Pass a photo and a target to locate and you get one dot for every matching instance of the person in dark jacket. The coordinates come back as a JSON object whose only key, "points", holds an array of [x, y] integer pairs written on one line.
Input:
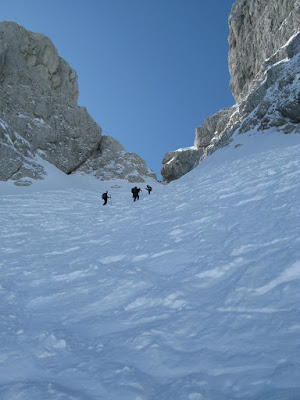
{"points": [[105, 197], [135, 193]]}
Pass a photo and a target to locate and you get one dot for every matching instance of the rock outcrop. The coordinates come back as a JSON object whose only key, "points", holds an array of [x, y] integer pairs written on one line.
{"points": [[264, 62], [180, 162], [258, 30], [40, 117], [112, 161]]}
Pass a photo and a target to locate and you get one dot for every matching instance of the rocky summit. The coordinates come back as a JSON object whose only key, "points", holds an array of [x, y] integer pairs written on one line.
{"points": [[40, 118], [264, 64]]}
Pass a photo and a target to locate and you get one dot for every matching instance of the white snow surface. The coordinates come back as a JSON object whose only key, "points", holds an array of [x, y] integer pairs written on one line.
{"points": [[192, 292]]}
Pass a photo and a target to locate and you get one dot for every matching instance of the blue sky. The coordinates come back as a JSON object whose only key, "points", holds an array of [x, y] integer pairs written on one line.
{"points": [[149, 71]]}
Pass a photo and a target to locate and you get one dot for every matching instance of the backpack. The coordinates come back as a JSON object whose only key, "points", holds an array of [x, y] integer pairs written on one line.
{"points": [[103, 196]]}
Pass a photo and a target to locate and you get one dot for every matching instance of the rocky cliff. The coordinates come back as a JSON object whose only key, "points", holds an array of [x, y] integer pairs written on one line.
{"points": [[264, 64], [258, 30], [40, 117]]}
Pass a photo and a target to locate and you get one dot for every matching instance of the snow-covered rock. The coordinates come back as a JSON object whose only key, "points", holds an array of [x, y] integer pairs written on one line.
{"points": [[39, 114], [258, 30], [264, 61], [112, 161], [180, 162]]}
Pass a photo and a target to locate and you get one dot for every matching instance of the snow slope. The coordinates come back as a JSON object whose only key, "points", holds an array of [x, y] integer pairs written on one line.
{"points": [[190, 293]]}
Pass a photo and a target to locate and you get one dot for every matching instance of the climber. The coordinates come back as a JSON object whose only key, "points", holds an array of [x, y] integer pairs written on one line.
{"points": [[105, 197], [135, 193], [149, 188]]}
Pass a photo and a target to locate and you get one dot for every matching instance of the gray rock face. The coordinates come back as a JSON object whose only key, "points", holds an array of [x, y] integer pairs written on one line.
{"points": [[264, 60], [39, 114], [30, 58], [39, 111], [276, 101], [213, 125], [258, 30], [180, 162]]}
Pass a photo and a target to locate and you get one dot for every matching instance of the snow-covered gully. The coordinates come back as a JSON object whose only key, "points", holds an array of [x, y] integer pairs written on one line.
{"points": [[190, 293]]}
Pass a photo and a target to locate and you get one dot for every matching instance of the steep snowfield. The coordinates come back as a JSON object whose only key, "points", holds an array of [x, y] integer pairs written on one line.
{"points": [[190, 293]]}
